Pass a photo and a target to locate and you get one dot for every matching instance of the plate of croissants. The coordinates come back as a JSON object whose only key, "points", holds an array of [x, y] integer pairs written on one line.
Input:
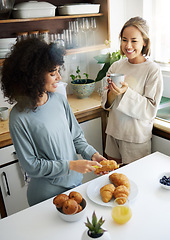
{"points": [[106, 189]]}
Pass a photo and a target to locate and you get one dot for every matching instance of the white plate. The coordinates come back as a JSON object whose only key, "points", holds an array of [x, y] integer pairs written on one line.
{"points": [[93, 191]]}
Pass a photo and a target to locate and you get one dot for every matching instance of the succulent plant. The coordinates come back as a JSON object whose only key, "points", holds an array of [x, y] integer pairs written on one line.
{"points": [[95, 226]]}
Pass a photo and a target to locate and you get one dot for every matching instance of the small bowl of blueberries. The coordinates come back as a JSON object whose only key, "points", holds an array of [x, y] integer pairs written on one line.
{"points": [[164, 180]]}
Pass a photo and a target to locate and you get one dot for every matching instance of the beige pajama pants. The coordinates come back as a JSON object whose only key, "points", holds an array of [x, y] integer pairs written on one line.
{"points": [[127, 151]]}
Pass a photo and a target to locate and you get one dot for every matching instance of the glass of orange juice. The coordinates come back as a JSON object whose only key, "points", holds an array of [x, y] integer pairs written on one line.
{"points": [[121, 212]]}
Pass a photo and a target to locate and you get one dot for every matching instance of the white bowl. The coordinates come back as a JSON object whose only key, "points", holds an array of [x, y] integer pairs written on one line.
{"points": [[33, 9], [6, 43], [73, 217], [167, 174], [73, 9]]}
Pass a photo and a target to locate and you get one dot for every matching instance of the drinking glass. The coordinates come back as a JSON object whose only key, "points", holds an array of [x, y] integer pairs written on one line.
{"points": [[121, 213], [93, 27]]}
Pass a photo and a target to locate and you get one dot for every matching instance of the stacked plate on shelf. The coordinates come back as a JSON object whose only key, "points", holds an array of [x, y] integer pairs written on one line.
{"points": [[5, 46]]}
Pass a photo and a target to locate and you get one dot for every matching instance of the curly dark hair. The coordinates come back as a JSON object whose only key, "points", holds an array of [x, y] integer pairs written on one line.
{"points": [[24, 69]]}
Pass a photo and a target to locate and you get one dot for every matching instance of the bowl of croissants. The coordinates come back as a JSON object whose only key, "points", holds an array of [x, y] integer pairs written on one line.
{"points": [[71, 207]]}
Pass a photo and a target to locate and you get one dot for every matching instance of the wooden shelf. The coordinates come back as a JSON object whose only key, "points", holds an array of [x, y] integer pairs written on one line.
{"points": [[76, 50], [50, 18]]}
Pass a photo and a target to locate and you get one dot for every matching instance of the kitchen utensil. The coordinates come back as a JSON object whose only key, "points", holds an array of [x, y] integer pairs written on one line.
{"points": [[33, 9], [117, 79], [93, 191], [121, 213], [120, 164], [73, 217], [73, 9], [164, 181]]}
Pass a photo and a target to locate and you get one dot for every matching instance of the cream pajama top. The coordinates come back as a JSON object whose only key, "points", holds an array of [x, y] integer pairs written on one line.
{"points": [[131, 115]]}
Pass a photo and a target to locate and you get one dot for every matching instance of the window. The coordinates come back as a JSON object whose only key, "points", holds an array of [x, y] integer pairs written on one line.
{"points": [[157, 13]]}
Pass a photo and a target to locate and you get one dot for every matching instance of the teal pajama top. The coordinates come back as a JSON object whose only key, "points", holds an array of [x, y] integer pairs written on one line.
{"points": [[45, 141]]}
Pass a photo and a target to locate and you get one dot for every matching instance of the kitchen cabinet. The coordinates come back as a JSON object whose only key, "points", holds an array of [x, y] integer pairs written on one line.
{"points": [[10, 27], [161, 145], [93, 134], [12, 186]]}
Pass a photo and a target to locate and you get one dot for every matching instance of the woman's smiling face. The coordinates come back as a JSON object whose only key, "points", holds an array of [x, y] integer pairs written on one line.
{"points": [[132, 44], [52, 79]]}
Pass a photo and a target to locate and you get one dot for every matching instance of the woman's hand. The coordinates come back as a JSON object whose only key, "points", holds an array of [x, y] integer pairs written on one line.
{"points": [[114, 91], [97, 157], [83, 166]]}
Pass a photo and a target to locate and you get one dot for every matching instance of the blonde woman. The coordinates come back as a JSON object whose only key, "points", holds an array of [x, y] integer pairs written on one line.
{"points": [[132, 108]]}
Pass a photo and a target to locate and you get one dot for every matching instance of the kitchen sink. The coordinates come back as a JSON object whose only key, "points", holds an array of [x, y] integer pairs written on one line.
{"points": [[164, 111]]}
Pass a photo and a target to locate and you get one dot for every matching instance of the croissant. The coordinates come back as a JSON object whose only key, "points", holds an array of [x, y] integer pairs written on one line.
{"points": [[119, 179], [108, 165], [106, 192], [122, 193]]}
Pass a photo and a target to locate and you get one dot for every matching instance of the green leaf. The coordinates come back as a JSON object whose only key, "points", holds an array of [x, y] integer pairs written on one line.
{"points": [[103, 58], [102, 73], [94, 219], [86, 75], [73, 77]]}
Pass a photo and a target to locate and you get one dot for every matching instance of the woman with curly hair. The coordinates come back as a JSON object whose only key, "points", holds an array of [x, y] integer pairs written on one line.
{"points": [[44, 130]]}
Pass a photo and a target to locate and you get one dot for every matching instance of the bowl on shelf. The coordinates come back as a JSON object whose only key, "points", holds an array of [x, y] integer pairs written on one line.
{"points": [[164, 180], [73, 217], [33, 9]]}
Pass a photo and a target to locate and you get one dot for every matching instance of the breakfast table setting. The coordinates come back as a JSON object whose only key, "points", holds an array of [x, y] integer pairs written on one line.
{"points": [[149, 202]]}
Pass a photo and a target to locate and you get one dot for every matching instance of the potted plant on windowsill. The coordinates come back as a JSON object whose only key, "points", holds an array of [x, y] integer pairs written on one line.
{"points": [[82, 87], [94, 229]]}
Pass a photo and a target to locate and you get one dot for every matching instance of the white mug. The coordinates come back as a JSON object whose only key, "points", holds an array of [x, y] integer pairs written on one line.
{"points": [[117, 78], [4, 113]]}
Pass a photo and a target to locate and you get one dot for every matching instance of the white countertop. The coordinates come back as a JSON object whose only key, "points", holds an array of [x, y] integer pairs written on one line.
{"points": [[150, 210]]}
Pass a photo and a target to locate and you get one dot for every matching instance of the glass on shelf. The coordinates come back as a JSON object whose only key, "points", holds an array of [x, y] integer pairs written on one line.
{"points": [[22, 36], [44, 34], [33, 34]]}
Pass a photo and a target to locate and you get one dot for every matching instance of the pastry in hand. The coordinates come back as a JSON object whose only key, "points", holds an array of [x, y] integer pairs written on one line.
{"points": [[70, 206], [121, 193], [107, 165], [119, 179], [76, 196], [106, 192], [60, 199]]}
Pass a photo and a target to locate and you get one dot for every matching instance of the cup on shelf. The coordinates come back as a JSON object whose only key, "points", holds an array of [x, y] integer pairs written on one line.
{"points": [[4, 113]]}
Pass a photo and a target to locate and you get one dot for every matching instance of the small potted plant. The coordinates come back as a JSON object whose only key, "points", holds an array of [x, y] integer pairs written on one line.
{"points": [[82, 87], [95, 230]]}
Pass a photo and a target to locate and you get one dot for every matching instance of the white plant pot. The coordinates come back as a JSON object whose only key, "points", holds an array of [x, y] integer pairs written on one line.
{"points": [[105, 236]]}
